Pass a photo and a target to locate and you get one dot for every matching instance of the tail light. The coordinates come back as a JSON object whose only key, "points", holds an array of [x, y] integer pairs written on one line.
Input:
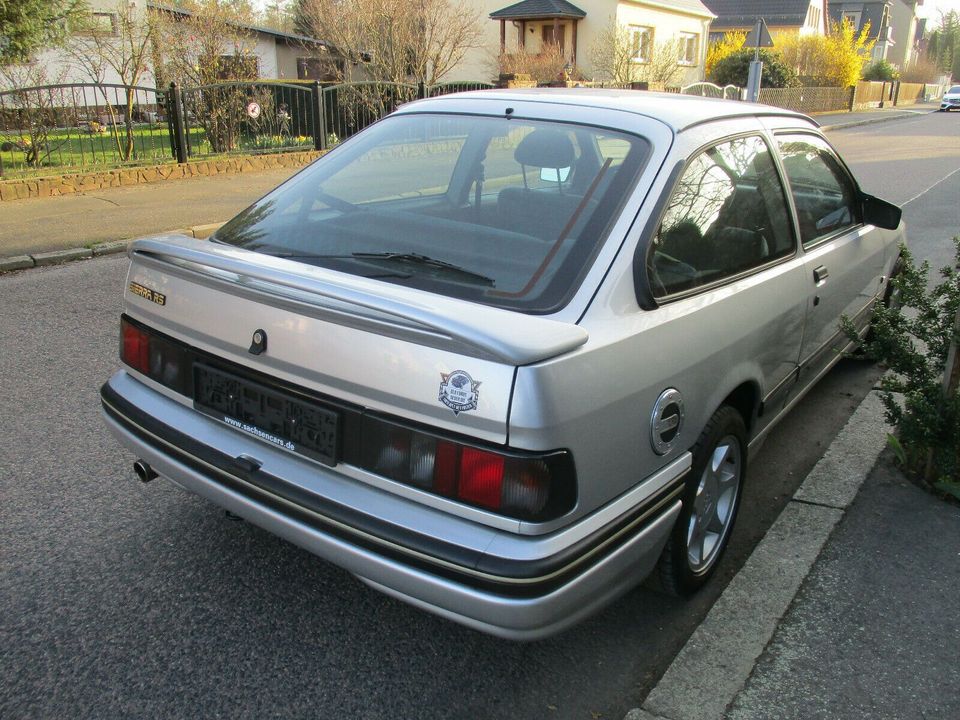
{"points": [[528, 486], [157, 357]]}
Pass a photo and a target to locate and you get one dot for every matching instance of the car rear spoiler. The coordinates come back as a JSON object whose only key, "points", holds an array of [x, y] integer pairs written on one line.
{"points": [[469, 328]]}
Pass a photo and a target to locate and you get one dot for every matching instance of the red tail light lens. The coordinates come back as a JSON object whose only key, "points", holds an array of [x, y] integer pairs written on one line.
{"points": [[481, 478], [134, 347]]}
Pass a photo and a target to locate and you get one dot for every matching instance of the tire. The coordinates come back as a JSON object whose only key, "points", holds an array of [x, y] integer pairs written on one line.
{"points": [[710, 503]]}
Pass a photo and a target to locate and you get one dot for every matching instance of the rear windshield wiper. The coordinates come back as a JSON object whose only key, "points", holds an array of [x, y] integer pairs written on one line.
{"points": [[403, 258], [418, 259]]}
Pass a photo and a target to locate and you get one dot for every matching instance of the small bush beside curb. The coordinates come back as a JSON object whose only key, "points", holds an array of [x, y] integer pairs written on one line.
{"points": [[916, 336]]}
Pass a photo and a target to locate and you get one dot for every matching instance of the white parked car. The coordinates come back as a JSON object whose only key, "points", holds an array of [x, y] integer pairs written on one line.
{"points": [[950, 99], [502, 354]]}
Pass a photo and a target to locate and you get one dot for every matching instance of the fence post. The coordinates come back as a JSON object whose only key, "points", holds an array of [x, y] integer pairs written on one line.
{"points": [[853, 98], [421, 90], [319, 117], [896, 92], [176, 114]]}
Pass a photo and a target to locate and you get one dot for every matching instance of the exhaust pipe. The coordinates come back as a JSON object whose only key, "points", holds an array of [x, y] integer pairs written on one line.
{"points": [[144, 472]]}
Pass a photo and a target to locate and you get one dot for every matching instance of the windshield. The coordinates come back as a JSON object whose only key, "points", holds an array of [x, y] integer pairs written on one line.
{"points": [[505, 212]]}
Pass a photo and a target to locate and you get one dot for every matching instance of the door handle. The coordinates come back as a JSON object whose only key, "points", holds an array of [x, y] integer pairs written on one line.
{"points": [[820, 274]]}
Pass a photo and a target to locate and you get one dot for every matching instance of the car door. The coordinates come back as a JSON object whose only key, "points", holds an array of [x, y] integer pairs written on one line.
{"points": [[728, 221], [843, 256]]}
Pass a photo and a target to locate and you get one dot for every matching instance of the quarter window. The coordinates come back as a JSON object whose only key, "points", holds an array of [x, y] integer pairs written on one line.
{"points": [[727, 216], [823, 193]]}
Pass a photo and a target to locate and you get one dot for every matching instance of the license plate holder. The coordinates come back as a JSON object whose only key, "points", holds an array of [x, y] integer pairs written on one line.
{"points": [[274, 416]]}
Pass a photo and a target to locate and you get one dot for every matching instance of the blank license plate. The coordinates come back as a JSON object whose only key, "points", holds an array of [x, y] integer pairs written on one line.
{"points": [[271, 415]]}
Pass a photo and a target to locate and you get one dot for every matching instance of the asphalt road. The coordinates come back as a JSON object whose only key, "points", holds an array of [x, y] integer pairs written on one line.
{"points": [[124, 600]]}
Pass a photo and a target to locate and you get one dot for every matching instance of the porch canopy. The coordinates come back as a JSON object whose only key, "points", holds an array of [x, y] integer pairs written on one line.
{"points": [[540, 11]]}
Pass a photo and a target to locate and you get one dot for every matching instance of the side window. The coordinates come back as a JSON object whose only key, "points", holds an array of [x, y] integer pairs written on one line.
{"points": [[727, 215], [823, 193]]}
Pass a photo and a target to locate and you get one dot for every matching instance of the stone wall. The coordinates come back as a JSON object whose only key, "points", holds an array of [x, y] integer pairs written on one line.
{"points": [[52, 186]]}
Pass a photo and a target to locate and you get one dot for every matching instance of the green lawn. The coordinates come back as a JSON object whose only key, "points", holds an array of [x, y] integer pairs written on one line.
{"points": [[79, 150]]}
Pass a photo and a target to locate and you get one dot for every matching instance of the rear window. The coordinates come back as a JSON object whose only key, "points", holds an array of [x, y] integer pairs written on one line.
{"points": [[505, 212]]}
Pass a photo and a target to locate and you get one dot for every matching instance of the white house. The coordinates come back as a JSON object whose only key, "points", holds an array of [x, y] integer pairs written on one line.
{"points": [[277, 55], [576, 26]]}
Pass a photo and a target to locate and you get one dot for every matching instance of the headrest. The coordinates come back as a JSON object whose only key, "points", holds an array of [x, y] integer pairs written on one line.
{"points": [[545, 149]]}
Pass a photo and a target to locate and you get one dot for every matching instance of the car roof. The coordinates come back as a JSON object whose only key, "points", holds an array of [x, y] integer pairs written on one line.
{"points": [[673, 109]]}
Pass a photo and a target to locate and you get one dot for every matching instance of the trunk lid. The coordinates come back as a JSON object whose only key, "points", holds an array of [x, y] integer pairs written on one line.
{"points": [[380, 346]]}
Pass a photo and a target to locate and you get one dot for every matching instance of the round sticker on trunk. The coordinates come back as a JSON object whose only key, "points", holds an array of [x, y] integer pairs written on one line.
{"points": [[459, 391]]}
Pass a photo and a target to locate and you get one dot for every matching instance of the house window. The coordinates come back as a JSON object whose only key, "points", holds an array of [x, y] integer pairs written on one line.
{"points": [[641, 43], [323, 69], [813, 17], [853, 18], [688, 48]]}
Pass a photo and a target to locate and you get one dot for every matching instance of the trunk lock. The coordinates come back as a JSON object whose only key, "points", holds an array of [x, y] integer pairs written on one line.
{"points": [[259, 342]]}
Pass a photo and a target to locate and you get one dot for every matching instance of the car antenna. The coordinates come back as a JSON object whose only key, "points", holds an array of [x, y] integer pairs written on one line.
{"points": [[509, 112]]}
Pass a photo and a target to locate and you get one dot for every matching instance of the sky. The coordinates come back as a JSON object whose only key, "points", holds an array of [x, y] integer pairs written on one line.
{"points": [[933, 8]]}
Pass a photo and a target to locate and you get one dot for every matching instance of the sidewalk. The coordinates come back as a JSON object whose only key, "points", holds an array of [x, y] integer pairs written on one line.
{"points": [[28, 227], [848, 608], [45, 224], [841, 120]]}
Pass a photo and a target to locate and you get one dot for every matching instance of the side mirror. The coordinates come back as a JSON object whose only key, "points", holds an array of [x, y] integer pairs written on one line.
{"points": [[880, 213]]}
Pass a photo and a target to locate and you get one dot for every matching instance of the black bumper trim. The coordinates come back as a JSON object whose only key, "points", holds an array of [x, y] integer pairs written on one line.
{"points": [[511, 578]]}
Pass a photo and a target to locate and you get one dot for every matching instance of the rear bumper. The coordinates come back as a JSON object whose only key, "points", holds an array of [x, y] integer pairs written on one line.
{"points": [[536, 587]]}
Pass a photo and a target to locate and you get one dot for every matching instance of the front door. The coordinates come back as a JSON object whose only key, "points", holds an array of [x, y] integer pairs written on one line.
{"points": [[844, 257]]}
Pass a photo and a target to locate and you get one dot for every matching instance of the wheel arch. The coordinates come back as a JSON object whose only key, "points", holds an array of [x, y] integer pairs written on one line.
{"points": [[745, 399]]}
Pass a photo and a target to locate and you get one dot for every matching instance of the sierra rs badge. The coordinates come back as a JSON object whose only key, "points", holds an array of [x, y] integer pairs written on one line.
{"points": [[148, 294], [459, 391]]}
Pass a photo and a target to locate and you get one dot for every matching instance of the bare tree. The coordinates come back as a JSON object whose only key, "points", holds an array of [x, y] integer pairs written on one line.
{"points": [[614, 55], [664, 67], [121, 43], [397, 41], [205, 43], [37, 105]]}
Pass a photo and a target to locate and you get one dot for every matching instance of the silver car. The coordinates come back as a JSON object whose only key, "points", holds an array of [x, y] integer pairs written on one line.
{"points": [[503, 354]]}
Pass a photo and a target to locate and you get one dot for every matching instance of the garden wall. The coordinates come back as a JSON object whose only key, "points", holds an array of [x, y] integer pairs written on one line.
{"points": [[91, 181]]}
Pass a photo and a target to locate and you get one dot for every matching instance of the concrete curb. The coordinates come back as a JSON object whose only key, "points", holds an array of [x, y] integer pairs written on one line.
{"points": [[57, 257], [714, 665]]}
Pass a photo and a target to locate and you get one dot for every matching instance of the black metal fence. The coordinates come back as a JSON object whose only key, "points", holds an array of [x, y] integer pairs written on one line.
{"points": [[78, 127]]}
